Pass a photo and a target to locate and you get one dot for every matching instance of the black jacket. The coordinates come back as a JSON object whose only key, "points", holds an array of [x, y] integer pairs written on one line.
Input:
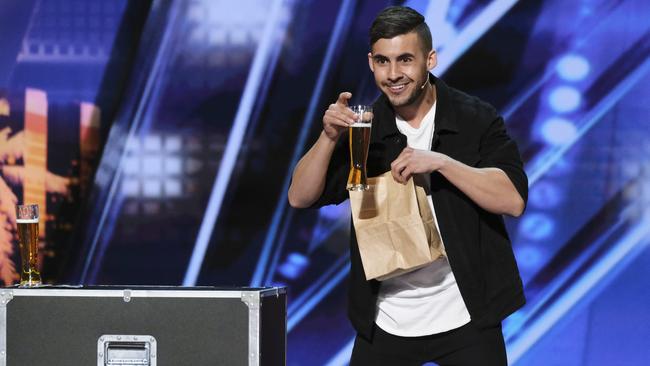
{"points": [[476, 241]]}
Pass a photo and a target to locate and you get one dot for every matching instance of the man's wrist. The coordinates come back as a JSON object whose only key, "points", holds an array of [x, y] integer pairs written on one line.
{"points": [[328, 140], [442, 162]]}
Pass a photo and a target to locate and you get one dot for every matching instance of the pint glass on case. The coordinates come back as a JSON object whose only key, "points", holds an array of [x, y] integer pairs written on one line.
{"points": [[27, 222], [359, 143]]}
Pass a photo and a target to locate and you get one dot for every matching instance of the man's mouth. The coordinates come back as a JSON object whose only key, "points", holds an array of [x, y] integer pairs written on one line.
{"points": [[397, 87]]}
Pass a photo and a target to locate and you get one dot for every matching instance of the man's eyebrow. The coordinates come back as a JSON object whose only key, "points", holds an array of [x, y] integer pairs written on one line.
{"points": [[405, 55], [380, 57]]}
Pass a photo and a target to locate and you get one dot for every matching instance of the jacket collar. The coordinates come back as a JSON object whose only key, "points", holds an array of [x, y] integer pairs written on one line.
{"points": [[445, 120]]}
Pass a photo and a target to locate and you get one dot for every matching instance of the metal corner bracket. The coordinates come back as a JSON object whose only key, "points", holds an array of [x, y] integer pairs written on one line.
{"points": [[6, 295], [253, 301]]}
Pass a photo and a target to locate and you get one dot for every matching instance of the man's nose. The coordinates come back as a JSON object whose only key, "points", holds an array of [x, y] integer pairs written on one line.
{"points": [[394, 73]]}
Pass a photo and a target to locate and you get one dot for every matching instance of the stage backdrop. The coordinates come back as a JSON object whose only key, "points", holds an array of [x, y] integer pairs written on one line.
{"points": [[159, 137]]}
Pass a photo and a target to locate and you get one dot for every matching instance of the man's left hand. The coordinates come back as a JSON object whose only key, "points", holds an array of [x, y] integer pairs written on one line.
{"points": [[412, 161]]}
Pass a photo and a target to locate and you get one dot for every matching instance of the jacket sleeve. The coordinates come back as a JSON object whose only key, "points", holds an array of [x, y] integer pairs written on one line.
{"points": [[337, 176], [498, 150]]}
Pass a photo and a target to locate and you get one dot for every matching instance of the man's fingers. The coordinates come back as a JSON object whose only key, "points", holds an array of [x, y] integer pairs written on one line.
{"points": [[396, 167], [338, 116], [341, 116], [401, 158], [396, 175], [344, 98], [400, 167], [341, 105], [405, 174], [396, 170], [337, 125]]}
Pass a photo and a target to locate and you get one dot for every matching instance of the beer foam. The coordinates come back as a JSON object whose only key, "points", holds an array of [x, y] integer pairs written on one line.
{"points": [[361, 124], [26, 221]]}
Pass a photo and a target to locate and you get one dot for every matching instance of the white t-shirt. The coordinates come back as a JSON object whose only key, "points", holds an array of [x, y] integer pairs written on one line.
{"points": [[425, 301]]}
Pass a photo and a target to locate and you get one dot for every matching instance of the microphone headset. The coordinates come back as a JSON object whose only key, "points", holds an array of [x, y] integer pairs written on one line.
{"points": [[425, 83]]}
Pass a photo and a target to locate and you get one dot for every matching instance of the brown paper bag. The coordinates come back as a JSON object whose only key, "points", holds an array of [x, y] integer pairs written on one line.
{"points": [[395, 229]]}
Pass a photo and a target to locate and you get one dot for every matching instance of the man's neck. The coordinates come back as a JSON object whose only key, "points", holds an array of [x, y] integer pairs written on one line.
{"points": [[414, 113]]}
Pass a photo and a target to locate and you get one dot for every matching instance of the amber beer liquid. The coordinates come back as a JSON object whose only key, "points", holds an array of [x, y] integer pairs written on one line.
{"points": [[28, 242], [359, 143]]}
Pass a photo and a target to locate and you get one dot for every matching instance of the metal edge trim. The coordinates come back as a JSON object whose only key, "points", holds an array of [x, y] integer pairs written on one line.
{"points": [[275, 291], [3, 335], [133, 293], [6, 296]]}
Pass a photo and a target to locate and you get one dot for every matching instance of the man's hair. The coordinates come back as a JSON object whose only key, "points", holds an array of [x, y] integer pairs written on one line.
{"points": [[398, 20]]}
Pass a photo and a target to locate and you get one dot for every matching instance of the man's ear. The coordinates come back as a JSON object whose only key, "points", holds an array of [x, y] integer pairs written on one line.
{"points": [[432, 59], [370, 64]]}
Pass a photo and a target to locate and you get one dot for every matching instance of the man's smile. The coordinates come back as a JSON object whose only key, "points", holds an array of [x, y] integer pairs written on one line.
{"points": [[397, 88]]}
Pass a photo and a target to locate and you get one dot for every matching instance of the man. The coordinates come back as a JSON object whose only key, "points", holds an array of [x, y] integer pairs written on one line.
{"points": [[449, 312]]}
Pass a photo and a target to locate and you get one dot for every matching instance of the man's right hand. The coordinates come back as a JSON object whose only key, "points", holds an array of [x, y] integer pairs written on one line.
{"points": [[338, 117]]}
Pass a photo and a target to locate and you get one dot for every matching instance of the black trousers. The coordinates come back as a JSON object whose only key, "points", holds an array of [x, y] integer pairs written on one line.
{"points": [[464, 346]]}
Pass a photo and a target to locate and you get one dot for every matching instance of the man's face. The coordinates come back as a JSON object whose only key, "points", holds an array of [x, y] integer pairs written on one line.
{"points": [[401, 68]]}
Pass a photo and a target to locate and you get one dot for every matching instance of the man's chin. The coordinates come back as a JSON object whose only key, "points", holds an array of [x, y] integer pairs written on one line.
{"points": [[404, 99], [400, 101]]}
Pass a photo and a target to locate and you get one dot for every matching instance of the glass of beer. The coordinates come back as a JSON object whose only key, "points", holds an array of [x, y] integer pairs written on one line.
{"points": [[27, 222], [359, 143]]}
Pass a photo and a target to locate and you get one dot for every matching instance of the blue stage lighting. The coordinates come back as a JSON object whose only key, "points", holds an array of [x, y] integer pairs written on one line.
{"points": [[572, 67], [294, 266], [152, 165], [278, 284], [173, 143], [558, 131], [333, 212], [528, 257], [319, 234], [565, 99], [545, 195], [561, 167], [152, 188], [173, 187], [131, 165], [513, 322], [172, 165], [536, 226], [131, 187], [153, 143]]}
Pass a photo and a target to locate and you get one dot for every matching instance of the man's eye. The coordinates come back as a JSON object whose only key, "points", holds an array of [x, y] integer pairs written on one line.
{"points": [[407, 59], [381, 61]]}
